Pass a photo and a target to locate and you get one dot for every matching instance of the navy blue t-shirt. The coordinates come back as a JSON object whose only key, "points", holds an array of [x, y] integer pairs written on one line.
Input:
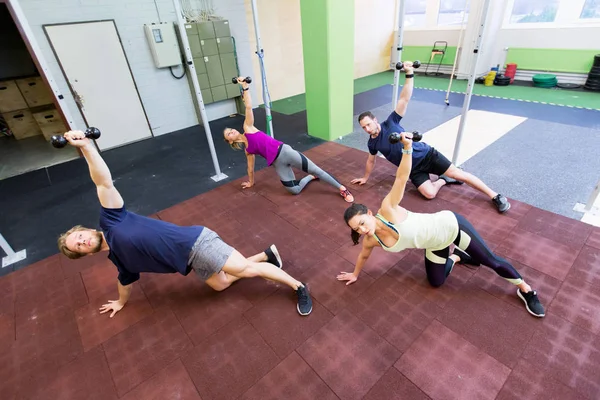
{"points": [[393, 152], [141, 244]]}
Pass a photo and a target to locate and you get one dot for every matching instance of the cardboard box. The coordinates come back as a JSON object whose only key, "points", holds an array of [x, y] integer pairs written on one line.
{"points": [[11, 98], [50, 122], [34, 91], [22, 124]]}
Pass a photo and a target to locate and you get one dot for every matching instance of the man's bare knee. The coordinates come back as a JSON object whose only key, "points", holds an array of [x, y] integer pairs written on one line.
{"points": [[428, 193]]}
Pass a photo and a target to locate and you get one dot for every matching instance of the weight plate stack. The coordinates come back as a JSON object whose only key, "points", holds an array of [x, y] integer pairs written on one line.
{"points": [[502, 80], [545, 80], [593, 80]]}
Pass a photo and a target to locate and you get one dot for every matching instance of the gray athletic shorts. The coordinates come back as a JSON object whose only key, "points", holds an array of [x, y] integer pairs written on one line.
{"points": [[209, 254]]}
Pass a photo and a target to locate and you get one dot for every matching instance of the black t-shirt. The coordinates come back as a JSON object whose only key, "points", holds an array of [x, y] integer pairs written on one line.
{"points": [[141, 244]]}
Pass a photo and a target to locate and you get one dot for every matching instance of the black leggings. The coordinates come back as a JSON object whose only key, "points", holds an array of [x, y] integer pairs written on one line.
{"points": [[438, 265]]}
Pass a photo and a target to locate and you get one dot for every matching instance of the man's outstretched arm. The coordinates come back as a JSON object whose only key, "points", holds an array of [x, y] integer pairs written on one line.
{"points": [[407, 90], [108, 195]]}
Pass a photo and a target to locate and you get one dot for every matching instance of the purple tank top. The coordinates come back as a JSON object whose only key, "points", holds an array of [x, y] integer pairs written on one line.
{"points": [[262, 144]]}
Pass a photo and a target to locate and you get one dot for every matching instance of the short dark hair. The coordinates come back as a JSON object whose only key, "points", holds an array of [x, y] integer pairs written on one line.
{"points": [[365, 114], [354, 209]]}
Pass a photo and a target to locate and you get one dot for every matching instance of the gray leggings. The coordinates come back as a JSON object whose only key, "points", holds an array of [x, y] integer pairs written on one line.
{"points": [[288, 158]]}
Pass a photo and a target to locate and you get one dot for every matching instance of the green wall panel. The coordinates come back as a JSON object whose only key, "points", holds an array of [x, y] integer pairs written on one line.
{"points": [[554, 60], [423, 54]]}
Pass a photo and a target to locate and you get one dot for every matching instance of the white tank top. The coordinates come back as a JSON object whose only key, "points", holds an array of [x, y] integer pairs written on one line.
{"points": [[423, 231]]}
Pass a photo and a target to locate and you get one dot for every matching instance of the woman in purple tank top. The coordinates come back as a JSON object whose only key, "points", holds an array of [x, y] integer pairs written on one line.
{"points": [[282, 156]]}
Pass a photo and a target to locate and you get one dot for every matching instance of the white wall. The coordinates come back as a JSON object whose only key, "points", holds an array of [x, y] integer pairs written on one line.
{"points": [[166, 100]]}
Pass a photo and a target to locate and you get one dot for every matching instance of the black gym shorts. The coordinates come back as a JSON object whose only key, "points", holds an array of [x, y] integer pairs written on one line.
{"points": [[434, 163]]}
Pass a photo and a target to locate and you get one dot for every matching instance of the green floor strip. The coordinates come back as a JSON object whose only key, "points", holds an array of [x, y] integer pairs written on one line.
{"points": [[554, 96]]}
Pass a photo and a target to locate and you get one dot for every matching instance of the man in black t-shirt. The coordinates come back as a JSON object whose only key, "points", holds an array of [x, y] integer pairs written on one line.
{"points": [[425, 159]]}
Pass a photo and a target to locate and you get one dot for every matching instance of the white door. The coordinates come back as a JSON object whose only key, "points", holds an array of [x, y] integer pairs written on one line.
{"points": [[95, 66]]}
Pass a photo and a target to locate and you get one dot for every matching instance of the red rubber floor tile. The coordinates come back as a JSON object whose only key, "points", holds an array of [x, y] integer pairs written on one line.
{"points": [[145, 348], [290, 379], [205, 312], [40, 299], [594, 238], [277, 320], [332, 352], [333, 294], [570, 354], [172, 382], [494, 326], [392, 386], [558, 228], [88, 377], [493, 227], [528, 381], [228, 363], [96, 328], [579, 302], [395, 313], [587, 266], [547, 256], [446, 366]]}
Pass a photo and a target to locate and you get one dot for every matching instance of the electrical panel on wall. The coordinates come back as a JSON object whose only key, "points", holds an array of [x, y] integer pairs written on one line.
{"points": [[163, 44]]}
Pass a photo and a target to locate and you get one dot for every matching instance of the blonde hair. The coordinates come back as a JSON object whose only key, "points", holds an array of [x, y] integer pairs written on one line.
{"points": [[62, 243], [234, 145]]}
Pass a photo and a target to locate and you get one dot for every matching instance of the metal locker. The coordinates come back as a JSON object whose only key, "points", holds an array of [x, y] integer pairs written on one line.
{"points": [[233, 90], [209, 47], [206, 30], [219, 93], [195, 47], [228, 66], [199, 64], [206, 96], [214, 70], [203, 81], [225, 45], [221, 28]]}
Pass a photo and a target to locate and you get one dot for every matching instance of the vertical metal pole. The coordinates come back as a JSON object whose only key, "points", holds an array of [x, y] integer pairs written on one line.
{"points": [[399, 40], [467, 102], [192, 70], [463, 28], [261, 55]]}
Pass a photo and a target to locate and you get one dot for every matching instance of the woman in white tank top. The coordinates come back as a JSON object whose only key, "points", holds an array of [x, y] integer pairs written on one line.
{"points": [[394, 229]]}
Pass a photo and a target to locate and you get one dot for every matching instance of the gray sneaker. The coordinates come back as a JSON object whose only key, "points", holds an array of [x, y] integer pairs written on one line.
{"points": [[304, 301], [501, 203]]}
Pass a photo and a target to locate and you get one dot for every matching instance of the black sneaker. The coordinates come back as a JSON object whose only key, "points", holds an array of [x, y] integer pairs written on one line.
{"points": [[501, 203], [532, 303], [465, 258], [450, 181], [273, 256], [304, 301]]}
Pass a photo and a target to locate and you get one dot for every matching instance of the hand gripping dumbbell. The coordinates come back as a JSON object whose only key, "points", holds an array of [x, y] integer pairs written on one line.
{"points": [[396, 137], [246, 79], [59, 141], [400, 65]]}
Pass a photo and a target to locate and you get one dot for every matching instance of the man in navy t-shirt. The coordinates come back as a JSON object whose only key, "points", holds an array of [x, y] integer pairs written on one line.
{"points": [[140, 244], [425, 159]]}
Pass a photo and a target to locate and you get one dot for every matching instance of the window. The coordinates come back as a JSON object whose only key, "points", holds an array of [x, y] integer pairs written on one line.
{"points": [[591, 9], [532, 11], [452, 12], [414, 12]]}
